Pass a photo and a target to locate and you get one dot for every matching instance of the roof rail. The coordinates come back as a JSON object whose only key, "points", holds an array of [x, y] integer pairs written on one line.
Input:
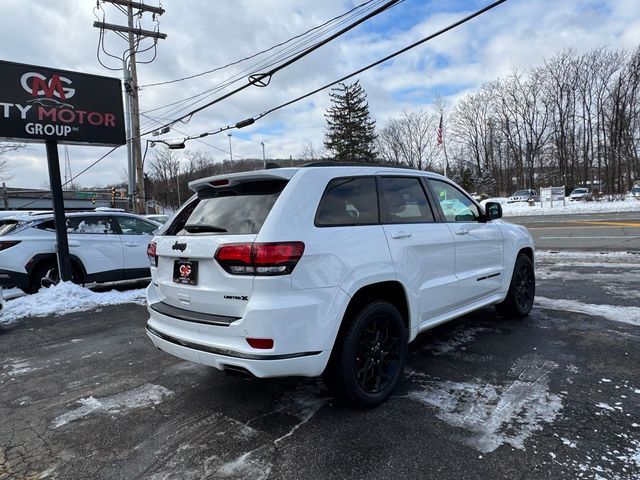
{"points": [[329, 163]]}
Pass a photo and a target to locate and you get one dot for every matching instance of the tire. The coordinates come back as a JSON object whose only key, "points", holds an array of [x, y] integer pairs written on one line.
{"points": [[522, 290], [49, 269], [368, 361]]}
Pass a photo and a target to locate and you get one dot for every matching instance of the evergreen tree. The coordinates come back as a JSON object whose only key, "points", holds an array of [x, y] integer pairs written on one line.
{"points": [[350, 133]]}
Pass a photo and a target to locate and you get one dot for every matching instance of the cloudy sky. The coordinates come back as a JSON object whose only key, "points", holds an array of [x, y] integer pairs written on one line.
{"points": [[205, 34]]}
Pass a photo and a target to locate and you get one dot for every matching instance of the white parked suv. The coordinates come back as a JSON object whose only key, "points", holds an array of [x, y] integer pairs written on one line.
{"points": [[328, 270], [104, 246]]}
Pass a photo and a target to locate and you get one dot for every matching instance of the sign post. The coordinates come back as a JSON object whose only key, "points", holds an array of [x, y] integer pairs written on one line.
{"points": [[64, 264], [50, 106]]}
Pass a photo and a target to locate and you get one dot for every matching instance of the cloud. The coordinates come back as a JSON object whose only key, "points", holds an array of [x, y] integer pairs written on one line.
{"points": [[204, 34]]}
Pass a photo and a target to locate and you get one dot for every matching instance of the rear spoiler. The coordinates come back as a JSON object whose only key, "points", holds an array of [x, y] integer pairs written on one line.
{"points": [[224, 181]]}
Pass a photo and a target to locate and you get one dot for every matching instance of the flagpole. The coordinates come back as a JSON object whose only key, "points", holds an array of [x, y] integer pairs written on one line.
{"points": [[441, 142], [446, 159]]}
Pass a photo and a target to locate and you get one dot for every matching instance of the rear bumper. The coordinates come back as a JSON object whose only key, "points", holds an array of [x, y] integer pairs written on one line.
{"points": [[305, 364], [9, 278], [303, 325]]}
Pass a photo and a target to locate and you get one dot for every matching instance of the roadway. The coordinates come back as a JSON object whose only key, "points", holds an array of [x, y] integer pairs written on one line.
{"points": [[556, 395], [596, 231]]}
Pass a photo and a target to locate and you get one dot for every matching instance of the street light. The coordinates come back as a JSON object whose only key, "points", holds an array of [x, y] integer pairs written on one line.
{"points": [[230, 154], [264, 159]]}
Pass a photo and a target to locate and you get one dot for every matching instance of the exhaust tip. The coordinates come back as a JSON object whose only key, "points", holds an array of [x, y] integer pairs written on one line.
{"points": [[235, 371]]}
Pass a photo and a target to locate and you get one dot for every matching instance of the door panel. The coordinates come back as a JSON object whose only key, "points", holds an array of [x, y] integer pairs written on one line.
{"points": [[479, 245], [135, 236], [423, 251], [94, 241], [479, 259]]}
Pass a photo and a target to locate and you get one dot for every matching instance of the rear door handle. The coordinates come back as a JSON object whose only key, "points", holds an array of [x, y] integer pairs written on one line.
{"points": [[400, 235], [462, 231], [74, 244], [131, 244]]}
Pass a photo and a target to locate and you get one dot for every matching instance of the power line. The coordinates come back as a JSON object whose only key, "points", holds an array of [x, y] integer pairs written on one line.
{"points": [[268, 62], [72, 178], [263, 79], [251, 120], [236, 62], [198, 140]]}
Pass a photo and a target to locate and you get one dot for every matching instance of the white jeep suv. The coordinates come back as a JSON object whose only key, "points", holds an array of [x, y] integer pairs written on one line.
{"points": [[328, 270]]}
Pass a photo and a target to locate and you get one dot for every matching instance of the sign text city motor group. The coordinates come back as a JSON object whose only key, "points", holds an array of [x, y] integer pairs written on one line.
{"points": [[58, 119]]}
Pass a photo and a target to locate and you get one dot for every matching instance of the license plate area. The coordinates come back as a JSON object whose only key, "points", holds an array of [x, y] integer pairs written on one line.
{"points": [[185, 272]]}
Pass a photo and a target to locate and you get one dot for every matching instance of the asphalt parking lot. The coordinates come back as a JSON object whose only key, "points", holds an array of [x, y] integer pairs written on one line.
{"points": [[556, 395]]}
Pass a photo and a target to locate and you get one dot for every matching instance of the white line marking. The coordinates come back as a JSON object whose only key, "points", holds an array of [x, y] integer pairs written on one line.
{"points": [[591, 238]]}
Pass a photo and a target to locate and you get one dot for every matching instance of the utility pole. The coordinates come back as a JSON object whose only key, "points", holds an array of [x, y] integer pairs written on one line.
{"points": [[132, 105], [230, 154], [264, 159]]}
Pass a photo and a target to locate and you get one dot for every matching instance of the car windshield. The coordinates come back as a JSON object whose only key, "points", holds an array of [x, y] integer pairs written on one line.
{"points": [[520, 193], [580, 190], [635, 190]]}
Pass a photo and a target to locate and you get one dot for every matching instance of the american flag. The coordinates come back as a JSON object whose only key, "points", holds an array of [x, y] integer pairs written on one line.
{"points": [[440, 131]]}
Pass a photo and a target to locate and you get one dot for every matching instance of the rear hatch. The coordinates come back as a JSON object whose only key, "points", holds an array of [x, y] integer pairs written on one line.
{"points": [[225, 211]]}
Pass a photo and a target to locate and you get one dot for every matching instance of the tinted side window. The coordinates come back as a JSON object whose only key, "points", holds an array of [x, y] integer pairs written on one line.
{"points": [[135, 226], [456, 206], [403, 200], [48, 225], [91, 224], [348, 201]]}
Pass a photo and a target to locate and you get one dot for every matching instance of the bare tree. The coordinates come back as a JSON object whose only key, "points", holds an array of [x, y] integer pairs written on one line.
{"points": [[574, 120], [5, 170], [164, 169], [410, 140], [311, 153]]}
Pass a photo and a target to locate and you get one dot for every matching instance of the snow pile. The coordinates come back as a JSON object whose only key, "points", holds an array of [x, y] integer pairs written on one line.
{"points": [[146, 395], [522, 209], [588, 255], [616, 313], [64, 298]]}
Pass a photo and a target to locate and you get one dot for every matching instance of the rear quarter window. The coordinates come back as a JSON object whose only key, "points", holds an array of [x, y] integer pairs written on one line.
{"points": [[348, 201]]}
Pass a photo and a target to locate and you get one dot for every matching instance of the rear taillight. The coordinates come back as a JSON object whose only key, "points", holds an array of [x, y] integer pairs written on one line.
{"points": [[8, 244], [152, 254], [260, 258]]}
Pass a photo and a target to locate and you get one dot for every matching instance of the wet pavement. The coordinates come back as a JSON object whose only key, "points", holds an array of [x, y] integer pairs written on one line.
{"points": [[556, 395]]}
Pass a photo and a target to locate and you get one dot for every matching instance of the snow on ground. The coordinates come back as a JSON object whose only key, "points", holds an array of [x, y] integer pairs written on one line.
{"points": [[64, 298], [616, 313], [146, 395], [495, 415], [587, 255], [522, 209], [302, 405]]}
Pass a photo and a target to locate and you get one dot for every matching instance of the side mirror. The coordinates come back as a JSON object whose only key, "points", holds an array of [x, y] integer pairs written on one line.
{"points": [[493, 210]]}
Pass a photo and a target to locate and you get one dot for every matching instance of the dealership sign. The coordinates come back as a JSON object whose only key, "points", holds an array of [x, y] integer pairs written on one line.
{"points": [[39, 104]]}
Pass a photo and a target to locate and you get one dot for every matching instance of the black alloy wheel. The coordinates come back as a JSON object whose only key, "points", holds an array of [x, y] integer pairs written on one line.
{"points": [[377, 355], [368, 359], [47, 274], [522, 290], [525, 287]]}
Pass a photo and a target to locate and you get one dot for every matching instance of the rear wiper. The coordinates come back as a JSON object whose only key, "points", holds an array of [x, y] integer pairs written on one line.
{"points": [[198, 227]]}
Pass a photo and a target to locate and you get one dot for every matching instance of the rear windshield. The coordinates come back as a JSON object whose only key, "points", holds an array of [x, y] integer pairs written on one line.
{"points": [[520, 193], [236, 210], [8, 226]]}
